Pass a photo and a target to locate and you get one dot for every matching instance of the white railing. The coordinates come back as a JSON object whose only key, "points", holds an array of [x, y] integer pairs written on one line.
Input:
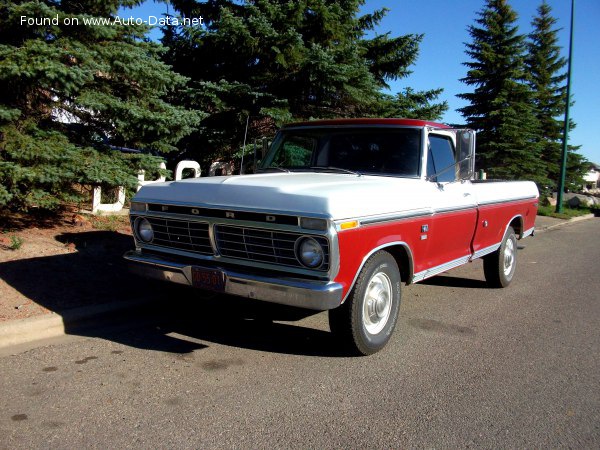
{"points": [[98, 207]]}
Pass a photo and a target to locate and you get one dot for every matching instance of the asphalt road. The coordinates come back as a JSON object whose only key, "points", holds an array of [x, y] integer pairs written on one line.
{"points": [[467, 367]]}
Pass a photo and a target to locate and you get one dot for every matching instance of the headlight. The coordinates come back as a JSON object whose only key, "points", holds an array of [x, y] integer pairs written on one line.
{"points": [[144, 229], [309, 252]]}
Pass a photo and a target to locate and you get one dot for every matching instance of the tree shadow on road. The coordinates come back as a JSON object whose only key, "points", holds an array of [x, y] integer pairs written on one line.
{"points": [[92, 273]]}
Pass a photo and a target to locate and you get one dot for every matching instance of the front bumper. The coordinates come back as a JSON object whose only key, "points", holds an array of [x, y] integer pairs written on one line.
{"points": [[316, 295]]}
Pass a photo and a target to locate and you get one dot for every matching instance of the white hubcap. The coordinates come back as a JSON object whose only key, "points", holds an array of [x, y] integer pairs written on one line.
{"points": [[377, 304], [509, 257]]}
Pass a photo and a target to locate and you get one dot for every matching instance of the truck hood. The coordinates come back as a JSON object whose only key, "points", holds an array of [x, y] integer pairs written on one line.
{"points": [[335, 196]]}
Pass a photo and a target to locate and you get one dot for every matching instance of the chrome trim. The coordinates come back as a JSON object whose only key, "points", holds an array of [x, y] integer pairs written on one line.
{"points": [[506, 200], [517, 216], [212, 236], [381, 247], [334, 251], [316, 295], [451, 209], [374, 220], [528, 232], [486, 251], [439, 269], [140, 199]]}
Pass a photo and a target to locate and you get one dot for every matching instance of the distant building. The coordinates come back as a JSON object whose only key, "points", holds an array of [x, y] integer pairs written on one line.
{"points": [[592, 176]]}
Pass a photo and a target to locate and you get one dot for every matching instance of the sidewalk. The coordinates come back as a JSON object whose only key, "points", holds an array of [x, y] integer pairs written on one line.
{"points": [[68, 289], [545, 223]]}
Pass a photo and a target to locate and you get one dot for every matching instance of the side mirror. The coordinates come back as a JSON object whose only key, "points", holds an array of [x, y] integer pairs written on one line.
{"points": [[465, 154]]}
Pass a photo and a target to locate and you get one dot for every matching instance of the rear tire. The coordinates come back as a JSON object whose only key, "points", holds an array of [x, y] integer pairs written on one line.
{"points": [[499, 267], [366, 320]]}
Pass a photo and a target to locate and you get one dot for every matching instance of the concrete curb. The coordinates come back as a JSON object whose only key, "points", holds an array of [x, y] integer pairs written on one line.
{"points": [[562, 224], [54, 325]]}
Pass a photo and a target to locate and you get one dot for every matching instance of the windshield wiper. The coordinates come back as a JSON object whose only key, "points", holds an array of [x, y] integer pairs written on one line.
{"points": [[335, 169], [273, 169]]}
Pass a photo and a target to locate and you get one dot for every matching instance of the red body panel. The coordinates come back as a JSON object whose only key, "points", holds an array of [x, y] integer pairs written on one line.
{"points": [[498, 217], [449, 236], [357, 244]]}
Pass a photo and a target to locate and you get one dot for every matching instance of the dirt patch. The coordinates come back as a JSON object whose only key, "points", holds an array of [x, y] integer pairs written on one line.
{"points": [[52, 263]]}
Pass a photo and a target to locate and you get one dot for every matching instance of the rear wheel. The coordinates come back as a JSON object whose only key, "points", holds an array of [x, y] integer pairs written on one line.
{"points": [[368, 317], [499, 267]]}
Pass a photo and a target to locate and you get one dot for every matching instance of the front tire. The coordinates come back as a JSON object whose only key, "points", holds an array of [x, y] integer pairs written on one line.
{"points": [[366, 320], [499, 267]]}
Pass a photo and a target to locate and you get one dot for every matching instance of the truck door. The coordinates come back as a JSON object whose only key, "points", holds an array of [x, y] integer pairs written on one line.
{"points": [[452, 225]]}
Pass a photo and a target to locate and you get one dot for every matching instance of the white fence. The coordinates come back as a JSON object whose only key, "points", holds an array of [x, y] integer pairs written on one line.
{"points": [[98, 207]]}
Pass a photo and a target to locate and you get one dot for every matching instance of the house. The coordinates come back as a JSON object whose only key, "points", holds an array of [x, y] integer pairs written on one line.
{"points": [[592, 176]]}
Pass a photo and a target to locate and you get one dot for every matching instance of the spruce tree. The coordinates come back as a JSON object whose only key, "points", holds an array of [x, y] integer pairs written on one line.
{"points": [[67, 90], [412, 105], [278, 61], [548, 82], [501, 105]]}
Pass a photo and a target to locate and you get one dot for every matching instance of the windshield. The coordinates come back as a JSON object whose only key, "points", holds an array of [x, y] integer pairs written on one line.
{"points": [[377, 151]]}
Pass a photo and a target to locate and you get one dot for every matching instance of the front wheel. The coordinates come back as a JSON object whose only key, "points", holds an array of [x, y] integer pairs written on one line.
{"points": [[499, 267], [368, 317]]}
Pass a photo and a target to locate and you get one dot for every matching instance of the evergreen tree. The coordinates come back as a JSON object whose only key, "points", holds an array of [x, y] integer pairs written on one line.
{"points": [[68, 89], [281, 60], [547, 80], [412, 105], [501, 106]]}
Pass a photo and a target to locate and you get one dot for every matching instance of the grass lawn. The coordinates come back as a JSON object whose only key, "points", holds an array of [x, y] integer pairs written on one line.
{"points": [[567, 212]]}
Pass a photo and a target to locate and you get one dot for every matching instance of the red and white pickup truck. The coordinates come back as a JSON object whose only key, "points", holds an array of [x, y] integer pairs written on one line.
{"points": [[339, 215]]}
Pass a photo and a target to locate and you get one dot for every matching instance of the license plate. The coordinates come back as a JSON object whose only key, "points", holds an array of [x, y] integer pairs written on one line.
{"points": [[209, 279]]}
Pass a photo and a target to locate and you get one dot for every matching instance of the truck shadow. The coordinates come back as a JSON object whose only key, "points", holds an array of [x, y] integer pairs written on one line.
{"points": [[452, 281], [193, 323], [163, 317]]}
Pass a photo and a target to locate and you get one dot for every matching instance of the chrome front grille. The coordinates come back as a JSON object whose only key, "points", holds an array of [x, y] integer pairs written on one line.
{"points": [[230, 241], [181, 235], [263, 245]]}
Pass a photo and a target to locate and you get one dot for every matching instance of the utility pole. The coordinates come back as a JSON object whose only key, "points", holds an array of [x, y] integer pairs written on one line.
{"points": [[563, 167]]}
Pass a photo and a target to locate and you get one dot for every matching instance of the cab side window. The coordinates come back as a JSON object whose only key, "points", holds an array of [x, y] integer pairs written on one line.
{"points": [[440, 158]]}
